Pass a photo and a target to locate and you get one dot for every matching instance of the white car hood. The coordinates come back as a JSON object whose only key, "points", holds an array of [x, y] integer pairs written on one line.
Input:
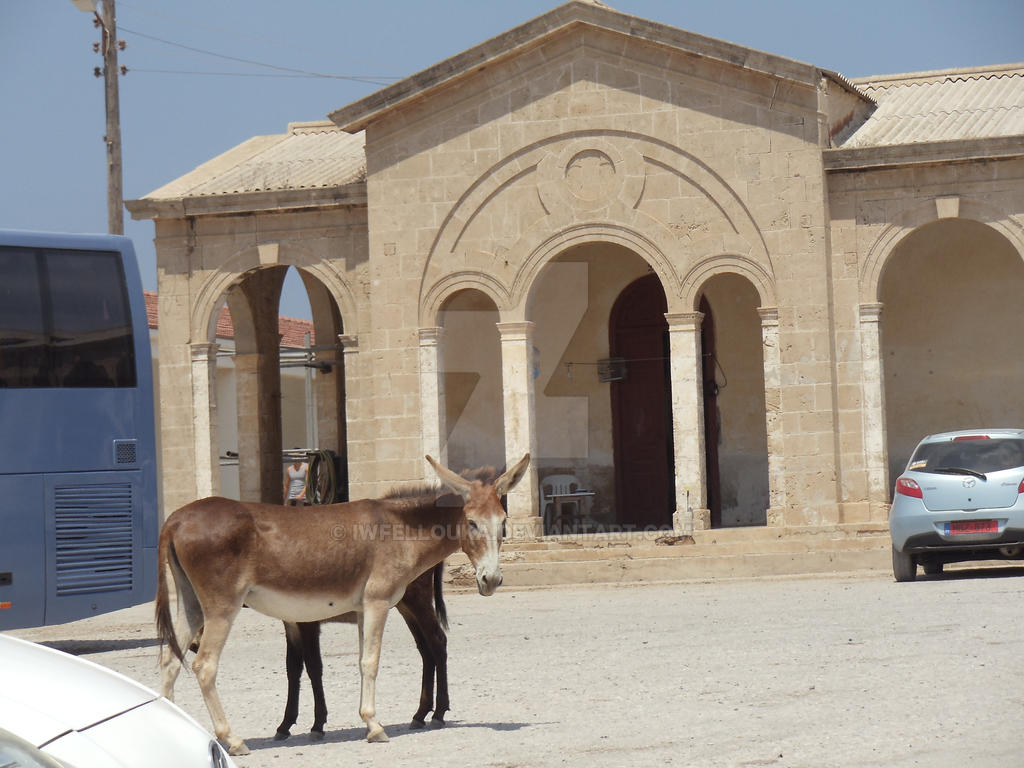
{"points": [[91, 693]]}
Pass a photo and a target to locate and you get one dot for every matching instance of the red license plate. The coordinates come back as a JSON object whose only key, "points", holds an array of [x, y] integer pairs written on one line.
{"points": [[972, 526]]}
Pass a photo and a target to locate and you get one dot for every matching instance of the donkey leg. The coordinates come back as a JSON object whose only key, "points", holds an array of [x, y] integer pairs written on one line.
{"points": [[293, 666], [215, 634], [371, 632], [310, 633], [427, 679], [437, 641], [187, 625]]}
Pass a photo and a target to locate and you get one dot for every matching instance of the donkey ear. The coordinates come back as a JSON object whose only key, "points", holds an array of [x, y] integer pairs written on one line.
{"points": [[456, 482], [504, 483]]}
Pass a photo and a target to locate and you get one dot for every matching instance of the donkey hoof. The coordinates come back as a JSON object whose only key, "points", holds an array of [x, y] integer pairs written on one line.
{"points": [[376, 735], [238, 749], [437, 722], [417, 724], [316, 735], [281, 735]]}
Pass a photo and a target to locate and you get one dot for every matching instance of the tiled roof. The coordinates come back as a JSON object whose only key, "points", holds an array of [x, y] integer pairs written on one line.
{"points": [[309, 156], [293, 331], [979, 103]]}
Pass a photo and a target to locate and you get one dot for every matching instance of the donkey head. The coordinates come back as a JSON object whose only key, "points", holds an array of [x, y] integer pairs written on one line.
{"points": [[483, 529]]}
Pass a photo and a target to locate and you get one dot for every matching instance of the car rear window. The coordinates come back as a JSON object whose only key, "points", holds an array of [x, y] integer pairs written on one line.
{"points": [[983, 456]]}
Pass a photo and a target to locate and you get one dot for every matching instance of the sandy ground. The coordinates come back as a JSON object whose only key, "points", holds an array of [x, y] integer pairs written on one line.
{"points": [[846, 670]]}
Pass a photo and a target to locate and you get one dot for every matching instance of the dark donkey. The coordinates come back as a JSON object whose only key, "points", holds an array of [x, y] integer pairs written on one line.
{"points": [[423, 609], [311, 564]]}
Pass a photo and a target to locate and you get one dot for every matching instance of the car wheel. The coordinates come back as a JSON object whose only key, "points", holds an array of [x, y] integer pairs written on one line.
{"points": [[933, 568], [904, 567]]}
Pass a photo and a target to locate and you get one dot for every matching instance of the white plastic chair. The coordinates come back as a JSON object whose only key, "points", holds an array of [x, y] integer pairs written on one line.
{"points": [[554, 490]]}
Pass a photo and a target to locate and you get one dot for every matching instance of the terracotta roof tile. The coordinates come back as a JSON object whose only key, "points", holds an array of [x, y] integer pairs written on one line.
{"points": [[292, 330]]}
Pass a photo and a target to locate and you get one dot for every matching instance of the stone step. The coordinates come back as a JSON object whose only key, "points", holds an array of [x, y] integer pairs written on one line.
{"points": [[638, 557], [626, 570], [717, 536], [648, 552]]}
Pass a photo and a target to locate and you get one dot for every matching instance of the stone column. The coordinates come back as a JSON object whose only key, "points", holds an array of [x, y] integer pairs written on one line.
{"points": [[432, 403], [873, 410], [520, 426], [776, 514], [203, 356], [688, 422], [247, 405], [345, 388]]}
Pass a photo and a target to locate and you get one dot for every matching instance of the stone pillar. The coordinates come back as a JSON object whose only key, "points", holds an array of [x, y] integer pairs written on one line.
{"points": [[260, 465], [343, 387], [873, 411], [776, 514], [247, 405], [688, 422], [520, 426], [432, 403], [203, 356]]}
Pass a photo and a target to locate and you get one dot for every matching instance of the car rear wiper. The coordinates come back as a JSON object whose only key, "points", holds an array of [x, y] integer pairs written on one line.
{"points": [[959, 471]]}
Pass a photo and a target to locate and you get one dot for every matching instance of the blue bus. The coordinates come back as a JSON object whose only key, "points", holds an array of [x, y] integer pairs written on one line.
{"points": [[78, 486]]}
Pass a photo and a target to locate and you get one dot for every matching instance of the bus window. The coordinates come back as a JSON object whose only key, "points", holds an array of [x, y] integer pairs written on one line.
{"points": [[24, 353], [65, 320]]}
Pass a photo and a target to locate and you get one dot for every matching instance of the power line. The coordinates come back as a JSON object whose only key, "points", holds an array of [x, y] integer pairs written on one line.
{"points": [[224, 74], [224, 30], [373, 79]]}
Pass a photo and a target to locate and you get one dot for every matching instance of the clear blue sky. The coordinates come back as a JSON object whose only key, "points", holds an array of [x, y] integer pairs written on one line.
{"points": [[51, 106]]}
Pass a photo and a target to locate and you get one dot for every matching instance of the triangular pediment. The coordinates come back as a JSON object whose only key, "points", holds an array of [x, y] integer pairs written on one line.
{"points": [[576, 13]]}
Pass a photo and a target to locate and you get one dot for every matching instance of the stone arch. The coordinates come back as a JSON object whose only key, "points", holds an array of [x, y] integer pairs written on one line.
{"points": [[612, 213], [438, 294], [543, 250], [893, 234], [722, 264], [247, 260]]}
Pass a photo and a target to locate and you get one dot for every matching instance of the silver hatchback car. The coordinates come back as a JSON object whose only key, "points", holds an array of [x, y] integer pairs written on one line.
{"points": [[960, 498]]}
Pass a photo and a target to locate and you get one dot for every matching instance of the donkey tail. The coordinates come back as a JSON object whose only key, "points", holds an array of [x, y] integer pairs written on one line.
{"points": [[166, 558], [439, 607]]}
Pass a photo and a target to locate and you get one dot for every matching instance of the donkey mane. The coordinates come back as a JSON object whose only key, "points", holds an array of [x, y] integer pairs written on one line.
{"points": [[433, 491], [414, 492]]}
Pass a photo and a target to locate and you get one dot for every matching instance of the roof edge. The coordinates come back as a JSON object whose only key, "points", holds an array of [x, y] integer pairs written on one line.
{"points": [[357, 115], [273, 201], [990, 69], [923, 153]]}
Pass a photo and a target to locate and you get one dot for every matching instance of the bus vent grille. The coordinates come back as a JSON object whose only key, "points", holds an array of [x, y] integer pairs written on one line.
{"points": [[124, 452], [93, 538]]}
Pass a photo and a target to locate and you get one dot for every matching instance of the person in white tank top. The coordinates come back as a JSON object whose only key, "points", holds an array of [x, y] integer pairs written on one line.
{"points": [[295, 484]]}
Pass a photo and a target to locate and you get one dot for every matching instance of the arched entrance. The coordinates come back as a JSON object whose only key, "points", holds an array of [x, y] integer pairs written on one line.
{"points": [[471, 381], [735, 424], [641, 406], [951, 330], [276, 388]]}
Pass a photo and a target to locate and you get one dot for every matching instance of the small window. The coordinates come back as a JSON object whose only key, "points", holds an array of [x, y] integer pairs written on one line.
{"points": [[65, 320]]}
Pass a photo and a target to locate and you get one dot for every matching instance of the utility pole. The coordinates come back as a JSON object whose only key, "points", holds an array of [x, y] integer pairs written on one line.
{"points": [[110, 72]]}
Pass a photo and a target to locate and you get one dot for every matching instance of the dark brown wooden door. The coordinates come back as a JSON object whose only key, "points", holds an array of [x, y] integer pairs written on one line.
{"points": [[641, 407]]}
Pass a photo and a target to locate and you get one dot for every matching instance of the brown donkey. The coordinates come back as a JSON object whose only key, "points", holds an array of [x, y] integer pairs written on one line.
{"points": [[423, 609], [314, 563]]}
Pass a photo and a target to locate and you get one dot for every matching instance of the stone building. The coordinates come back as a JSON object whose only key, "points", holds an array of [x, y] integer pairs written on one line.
{"points": [[719, 286]]}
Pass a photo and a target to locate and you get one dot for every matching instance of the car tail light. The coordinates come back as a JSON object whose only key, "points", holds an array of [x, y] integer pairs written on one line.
{"points": [[1020, 488], [909, 487], [970, 437]]}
